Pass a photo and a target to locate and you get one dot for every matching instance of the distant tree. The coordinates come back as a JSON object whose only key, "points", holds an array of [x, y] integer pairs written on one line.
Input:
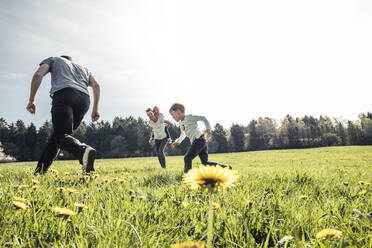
{"points": [[219, 138], [236, 138]]}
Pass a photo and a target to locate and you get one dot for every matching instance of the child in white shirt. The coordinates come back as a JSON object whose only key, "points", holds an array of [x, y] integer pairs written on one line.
{"points": [[189, 128]]}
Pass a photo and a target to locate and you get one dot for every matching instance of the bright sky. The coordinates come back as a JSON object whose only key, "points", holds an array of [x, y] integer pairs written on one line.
{"points": [[230, 61]]}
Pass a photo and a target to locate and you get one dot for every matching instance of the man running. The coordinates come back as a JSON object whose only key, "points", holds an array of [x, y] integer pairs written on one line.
{"points": [[70, 102]]}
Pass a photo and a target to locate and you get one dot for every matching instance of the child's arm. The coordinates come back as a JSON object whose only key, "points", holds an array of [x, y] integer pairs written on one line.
{"points": [[179, 139], [206, 123]]}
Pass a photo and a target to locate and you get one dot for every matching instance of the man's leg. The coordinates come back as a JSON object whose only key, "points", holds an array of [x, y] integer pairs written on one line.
{"points": [[80, 108], [49, 154], [160, 151]]}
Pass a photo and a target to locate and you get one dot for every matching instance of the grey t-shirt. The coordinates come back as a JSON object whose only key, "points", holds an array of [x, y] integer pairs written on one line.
{"points": [[66, 74]]}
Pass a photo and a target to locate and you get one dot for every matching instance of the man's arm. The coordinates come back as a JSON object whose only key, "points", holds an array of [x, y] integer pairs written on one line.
{"points": [[96, 97], [35, 83], [168, 123]]}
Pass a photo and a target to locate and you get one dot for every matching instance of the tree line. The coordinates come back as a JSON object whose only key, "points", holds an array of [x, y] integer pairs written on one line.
{"points": [[128, 137]]}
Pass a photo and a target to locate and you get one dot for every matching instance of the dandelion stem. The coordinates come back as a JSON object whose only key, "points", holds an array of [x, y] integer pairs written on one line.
{"points": [[210, 223]]}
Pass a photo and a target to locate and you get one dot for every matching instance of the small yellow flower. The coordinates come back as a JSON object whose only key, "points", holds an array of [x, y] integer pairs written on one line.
{"points": [[19, 199], [63, 211], [303, 197], [270, 195], [363, 192], [346, 183], [189, 245], [250, 202], [131, 191], [20, 205], [106, 180], [21, 186], [210, 178], [329, 234], [282, 195], [67, 173], [81, 206], [69, 190], [141, 197], [54, 171], [185, 204], [34, 181], [61, 189], [122, 180], [215, 205], [35, 187]]}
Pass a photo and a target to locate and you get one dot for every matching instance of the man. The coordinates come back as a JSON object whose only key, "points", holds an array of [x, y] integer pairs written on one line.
{"points": [[190, 128], [159, 134], [70, 102]]}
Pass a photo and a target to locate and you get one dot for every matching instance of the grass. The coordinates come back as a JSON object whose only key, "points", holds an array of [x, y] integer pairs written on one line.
{"points": [[149, 210]]}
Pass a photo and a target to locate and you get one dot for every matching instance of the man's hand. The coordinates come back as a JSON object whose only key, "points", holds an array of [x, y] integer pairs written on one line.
{"points": [[208, 134], [31, 107], [95, 115], [174, 145]]}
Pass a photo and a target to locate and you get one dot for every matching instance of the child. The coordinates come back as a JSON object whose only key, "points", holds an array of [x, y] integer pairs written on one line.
{"points": [[159, 134], [189, 128]]}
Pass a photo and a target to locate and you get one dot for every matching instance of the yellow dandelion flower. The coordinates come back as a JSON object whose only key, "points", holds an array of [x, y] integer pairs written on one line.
{"points": [[63, 211], [34, 181], [363, 192], [54, 171], [282, 195], [189, 245], [210, 178], [21, 186], [361, 182], [35, 187], [61, 189], [303, 197], [19, 199], [215, 205], [131, 191], [71, 190], [329, 234], [20, 205], [106, 180], [250, 202], [346, 183], [122, 180], [141, 197], [270, 195], [185, 204], [67, 173], [81, 206]]}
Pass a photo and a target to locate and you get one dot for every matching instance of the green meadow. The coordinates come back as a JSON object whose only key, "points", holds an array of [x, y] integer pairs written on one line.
{"points": [[135, 203]]}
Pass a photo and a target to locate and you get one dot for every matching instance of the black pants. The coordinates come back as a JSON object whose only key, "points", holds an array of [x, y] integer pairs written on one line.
{"points": [[198, 147], [160, 146], [68, 109]]}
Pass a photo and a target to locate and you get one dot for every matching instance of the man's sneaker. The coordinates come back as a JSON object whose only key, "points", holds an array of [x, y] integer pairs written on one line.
{"points": [[88, 159]]}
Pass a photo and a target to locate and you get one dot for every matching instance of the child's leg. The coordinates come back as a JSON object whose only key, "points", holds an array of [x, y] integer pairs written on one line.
{"points": [[193, 151], [203, 155]]}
